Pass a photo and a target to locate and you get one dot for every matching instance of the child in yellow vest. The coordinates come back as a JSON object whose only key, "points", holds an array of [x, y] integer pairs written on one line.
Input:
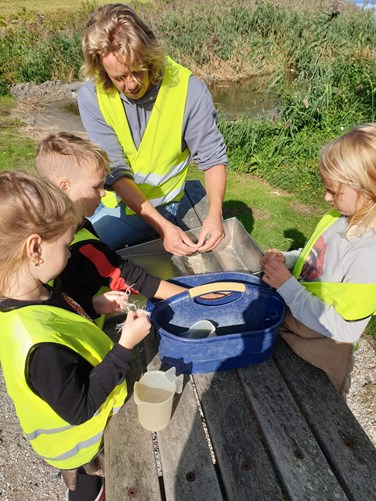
{"points": [[65, 376], [331, 290], [79, 168]]}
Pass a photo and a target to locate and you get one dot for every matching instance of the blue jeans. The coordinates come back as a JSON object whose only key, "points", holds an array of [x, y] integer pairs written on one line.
{"points": [[117, 229]]}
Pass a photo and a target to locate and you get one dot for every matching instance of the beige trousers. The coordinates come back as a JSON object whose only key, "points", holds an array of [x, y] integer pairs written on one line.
{"points": [[333, 357]]}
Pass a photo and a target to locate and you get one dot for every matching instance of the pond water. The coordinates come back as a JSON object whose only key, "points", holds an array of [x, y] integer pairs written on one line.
{"points": [[243, 98], [249, 97], [238, 99]]}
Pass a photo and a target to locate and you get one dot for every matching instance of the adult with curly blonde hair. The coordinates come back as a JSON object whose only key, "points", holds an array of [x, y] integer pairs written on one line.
{"points": [[151, 116]]}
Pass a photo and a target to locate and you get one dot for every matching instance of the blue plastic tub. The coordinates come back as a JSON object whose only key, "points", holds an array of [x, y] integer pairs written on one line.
{"points": [[247, 324]]}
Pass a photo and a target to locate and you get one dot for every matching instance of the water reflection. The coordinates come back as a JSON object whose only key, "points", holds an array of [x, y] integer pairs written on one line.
{"points": [[243, 98]]}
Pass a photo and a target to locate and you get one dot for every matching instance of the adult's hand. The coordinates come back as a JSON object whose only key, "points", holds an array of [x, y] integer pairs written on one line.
{"points": [[211, 233], [176, 241]]}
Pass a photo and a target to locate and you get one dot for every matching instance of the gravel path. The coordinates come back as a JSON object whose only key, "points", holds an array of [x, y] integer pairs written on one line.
{"points": [[362, 397], [23, 476]]}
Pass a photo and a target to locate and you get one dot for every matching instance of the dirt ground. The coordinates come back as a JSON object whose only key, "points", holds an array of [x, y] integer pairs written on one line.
{"points": [[23, 476], [46, 108]]}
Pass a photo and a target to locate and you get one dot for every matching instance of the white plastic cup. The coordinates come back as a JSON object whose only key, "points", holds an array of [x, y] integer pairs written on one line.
{"points": [[201, 329], [153, 395]]}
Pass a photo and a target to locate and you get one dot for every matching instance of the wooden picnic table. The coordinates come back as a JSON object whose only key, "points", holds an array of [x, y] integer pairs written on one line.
{"points": [[273, 431]]}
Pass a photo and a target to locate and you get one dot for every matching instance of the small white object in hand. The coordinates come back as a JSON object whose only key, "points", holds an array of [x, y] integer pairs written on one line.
{"points": [[130, 307]]}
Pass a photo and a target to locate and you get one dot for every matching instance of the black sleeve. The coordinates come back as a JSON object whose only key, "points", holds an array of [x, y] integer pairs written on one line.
{"points": [[69, 384], [93, 264]]}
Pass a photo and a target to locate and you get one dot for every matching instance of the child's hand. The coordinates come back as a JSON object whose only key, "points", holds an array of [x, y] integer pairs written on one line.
{"points": [[136, 326], [275, 273], [272, 254], [110, 301]]}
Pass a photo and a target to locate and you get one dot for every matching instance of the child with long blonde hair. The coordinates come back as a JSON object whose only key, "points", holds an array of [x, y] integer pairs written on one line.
{"points": [[64, 374], [331, 290]]}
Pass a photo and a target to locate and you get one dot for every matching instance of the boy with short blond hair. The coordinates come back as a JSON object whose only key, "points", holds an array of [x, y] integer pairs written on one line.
{"points": [[79, 168]]}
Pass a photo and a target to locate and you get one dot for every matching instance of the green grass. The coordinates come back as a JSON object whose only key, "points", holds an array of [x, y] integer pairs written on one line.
{"points": [[16, 150], [273, 217], [18, 8]]}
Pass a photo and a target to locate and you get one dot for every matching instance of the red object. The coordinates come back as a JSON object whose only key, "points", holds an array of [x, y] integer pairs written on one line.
{"points": [[106, 269]]}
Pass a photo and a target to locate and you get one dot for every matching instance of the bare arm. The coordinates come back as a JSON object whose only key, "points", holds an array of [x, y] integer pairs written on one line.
{"points": [[212, 229], [167, 289]]}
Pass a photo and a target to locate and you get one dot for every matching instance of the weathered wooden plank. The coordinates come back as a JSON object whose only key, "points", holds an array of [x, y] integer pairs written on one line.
{"points": [[131, 454], [299, 461], [129, 458], [129, 451], [243, 462], [188, 470], [151, 354], [346, 446]]}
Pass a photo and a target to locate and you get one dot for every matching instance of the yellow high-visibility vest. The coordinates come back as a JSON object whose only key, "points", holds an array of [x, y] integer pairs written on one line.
{"points": [[82, 235], [59, 443], [159, 166], [351, 301]]}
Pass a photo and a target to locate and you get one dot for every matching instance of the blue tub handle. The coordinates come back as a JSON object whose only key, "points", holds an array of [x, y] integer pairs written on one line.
{"points": [[200, 290]]}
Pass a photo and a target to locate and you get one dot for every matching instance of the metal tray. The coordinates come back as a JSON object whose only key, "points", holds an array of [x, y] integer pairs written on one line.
{"points": [[238, 251]]}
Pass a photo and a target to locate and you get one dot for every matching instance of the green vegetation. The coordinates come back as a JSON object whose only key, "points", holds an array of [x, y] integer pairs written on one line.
{"points": [[14, 10], [331, 57], [16, 152], [319, 57]]}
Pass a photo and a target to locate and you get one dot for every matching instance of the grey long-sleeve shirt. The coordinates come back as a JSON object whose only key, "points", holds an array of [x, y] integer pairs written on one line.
{"points": [[334, 259], [200, 132]]}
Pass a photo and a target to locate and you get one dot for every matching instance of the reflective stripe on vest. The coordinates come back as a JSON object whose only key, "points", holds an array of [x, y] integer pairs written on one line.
{"points": [[159, 166], [351, 301], [59, 443]]}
